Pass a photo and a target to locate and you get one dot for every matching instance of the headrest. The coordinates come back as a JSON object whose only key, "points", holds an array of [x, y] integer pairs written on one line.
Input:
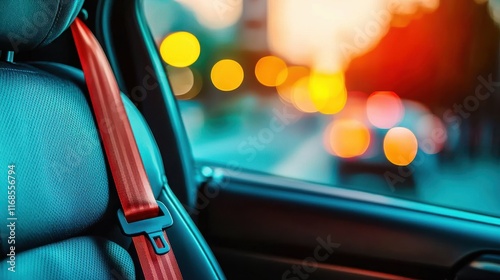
{"points": [[29, 24]]}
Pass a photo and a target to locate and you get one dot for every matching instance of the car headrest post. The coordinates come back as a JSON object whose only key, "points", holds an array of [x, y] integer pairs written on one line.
{"points": [[7, 56]]}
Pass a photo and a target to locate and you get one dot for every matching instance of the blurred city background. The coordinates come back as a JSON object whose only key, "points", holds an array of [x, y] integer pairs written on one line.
{"points": [[392, 97]]}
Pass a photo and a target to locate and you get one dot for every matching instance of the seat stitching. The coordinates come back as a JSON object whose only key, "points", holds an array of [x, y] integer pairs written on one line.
{"points": [[59, 7]]}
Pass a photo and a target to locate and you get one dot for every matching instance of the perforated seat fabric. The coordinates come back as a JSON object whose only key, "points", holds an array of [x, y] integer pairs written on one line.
{"points": [[48, 132], [80, 258]]}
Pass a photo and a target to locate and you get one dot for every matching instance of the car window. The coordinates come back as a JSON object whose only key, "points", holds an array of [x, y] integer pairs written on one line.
{"points": [[398, 98]]}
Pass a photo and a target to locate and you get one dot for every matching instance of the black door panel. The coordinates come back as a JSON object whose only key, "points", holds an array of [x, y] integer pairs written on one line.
{"points": [[281, 218]]}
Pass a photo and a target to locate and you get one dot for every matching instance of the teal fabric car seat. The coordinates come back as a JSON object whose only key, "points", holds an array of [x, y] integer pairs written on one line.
{"points": [[60, 211]]}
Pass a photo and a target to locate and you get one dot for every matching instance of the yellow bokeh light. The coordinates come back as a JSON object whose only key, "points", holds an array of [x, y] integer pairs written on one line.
{"points": [[348, 138], [180, 49], [301, 98], [328, 92], [334, 105], [290, 76], [400, 146], [271, 71], [227, 75]]}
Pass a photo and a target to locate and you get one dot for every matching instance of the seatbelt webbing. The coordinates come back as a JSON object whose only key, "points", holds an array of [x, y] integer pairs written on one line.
{"points": [[127, 169]]}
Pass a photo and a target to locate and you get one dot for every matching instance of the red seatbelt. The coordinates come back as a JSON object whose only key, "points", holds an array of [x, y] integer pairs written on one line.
{"points": [[141, 215]]}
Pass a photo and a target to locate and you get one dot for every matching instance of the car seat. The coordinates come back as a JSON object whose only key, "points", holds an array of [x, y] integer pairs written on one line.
{"points": [[60, 221]]}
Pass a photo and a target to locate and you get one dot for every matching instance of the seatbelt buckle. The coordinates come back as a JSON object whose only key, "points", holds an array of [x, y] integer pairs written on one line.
{"points": [[152, 227]]}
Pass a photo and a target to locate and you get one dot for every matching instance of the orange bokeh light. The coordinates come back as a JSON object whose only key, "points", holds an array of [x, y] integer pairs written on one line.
{"points": [[347, 138], [227, 75], [400, 146], [271, 71]]}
